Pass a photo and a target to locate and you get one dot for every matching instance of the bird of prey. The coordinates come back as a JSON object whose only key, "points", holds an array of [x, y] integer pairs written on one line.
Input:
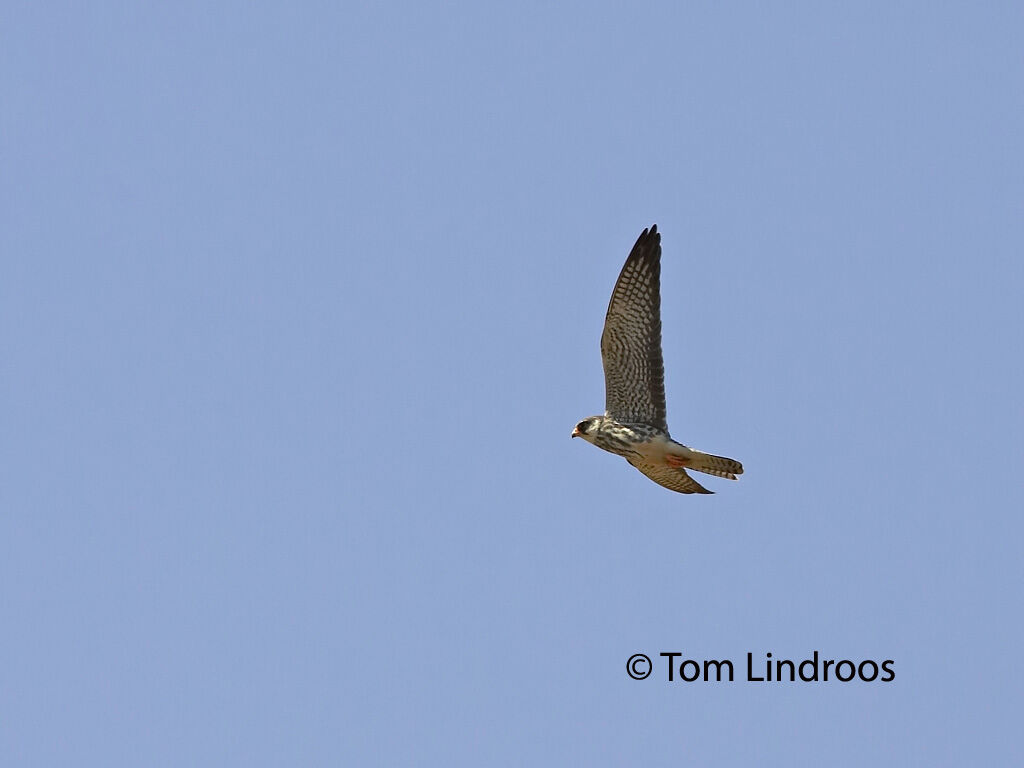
{"points": [[634, 423]]}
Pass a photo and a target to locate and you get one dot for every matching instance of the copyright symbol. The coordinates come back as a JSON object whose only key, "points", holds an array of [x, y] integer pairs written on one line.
{"points": [[639, 666]]}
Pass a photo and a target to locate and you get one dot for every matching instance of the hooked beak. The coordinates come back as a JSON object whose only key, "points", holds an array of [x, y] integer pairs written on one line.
{"points": [[576, 432]]}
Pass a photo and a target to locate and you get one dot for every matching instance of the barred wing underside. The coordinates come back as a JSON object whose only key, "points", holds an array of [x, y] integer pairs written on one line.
{"points": [[634, 371], [675, 479]]}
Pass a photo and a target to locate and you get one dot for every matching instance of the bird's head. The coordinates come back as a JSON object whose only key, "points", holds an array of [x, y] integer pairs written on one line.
{"points": [[587, 428]]}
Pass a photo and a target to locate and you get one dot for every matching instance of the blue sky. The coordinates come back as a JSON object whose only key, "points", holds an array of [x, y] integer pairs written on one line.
{"points": [[300, 303]]}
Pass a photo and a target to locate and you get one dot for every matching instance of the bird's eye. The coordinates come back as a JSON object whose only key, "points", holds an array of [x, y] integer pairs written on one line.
{"points": [[583, 426]]}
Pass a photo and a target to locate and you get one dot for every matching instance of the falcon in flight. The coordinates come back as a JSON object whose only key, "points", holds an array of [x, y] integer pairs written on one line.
{"points": [[634, 424]]}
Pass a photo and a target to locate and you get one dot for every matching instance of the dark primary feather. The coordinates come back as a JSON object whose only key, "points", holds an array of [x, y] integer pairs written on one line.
{"points": [[634, 372]]}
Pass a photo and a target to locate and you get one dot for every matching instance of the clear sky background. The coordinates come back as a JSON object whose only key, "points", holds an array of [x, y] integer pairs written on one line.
{"points": [[300, 302]]}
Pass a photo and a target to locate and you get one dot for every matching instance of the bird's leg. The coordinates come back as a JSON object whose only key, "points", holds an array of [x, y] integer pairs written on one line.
{"points": [[676, 461]]}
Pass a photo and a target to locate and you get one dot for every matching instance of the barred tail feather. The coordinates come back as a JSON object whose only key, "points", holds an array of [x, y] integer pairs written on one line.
{"points": [[715, 465]]}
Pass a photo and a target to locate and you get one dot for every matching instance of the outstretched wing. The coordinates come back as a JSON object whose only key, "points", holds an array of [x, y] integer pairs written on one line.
{"points": [[634, 372], [672, 478]]}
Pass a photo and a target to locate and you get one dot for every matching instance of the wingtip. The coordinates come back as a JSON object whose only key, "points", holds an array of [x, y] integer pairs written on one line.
{"points": [[649, 237]]}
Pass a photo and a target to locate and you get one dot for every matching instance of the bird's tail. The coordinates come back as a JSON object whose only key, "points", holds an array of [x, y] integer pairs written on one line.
{"points": [[715, 465]]}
